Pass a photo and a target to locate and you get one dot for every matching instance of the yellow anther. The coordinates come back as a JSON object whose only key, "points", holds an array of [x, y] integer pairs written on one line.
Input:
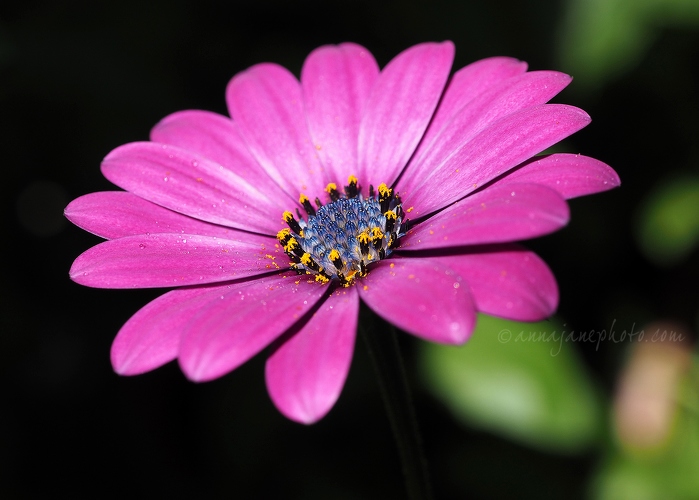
{"points": [[364, 237], [334, 257], [306, 259], [321, 279], [303, 199], [291, 245], [384, 190], [283, 235], [293, 223], [376, 233], [352, 188], [332, 191], [390, 215]]}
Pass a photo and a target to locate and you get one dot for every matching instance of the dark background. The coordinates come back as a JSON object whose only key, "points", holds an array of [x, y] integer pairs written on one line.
{"points": [[79, 79]]}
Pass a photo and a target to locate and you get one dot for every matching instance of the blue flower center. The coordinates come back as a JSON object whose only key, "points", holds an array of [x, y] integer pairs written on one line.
{"points": [[340, 240]]}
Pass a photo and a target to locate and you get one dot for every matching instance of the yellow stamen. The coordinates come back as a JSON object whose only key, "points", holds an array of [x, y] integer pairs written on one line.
{"points": [[364, 237], [384, 190], [291, 245], [321, 279]]}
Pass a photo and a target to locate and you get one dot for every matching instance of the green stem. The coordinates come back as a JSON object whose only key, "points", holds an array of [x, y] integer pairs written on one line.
{"points": [[381, 342]]}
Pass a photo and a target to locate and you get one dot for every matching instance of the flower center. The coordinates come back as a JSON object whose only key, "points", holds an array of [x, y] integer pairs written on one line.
{"points": [[341, 239]]}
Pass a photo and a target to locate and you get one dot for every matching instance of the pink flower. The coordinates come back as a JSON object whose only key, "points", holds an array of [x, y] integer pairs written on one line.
{"points": [[207, 198]]}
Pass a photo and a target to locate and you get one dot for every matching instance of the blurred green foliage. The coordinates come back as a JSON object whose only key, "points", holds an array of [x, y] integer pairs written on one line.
{"points": [[602, 39], [668, 223], [521, 380]]}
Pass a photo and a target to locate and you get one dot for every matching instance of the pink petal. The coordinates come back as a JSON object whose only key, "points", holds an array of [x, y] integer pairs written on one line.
{"points": [[508, 281], [500, 147], [508, 97], [336, 82], [115, 214], [400, 108], [217, 138], [306, 373], [469, 82], [245, 319], [422, 297], [498, 214], [465, 85], [266, 103], [166, 260], [191, 184], [151, 337], [571, 175]]}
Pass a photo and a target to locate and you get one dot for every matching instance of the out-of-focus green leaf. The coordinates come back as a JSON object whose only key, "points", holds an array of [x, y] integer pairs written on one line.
{"points": [[671, 474], [521, 380], [668, 227], [603, 38]]}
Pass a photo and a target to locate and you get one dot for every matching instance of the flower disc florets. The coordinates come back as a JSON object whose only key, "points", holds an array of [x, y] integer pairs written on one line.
{"points": [[339, 240]]}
